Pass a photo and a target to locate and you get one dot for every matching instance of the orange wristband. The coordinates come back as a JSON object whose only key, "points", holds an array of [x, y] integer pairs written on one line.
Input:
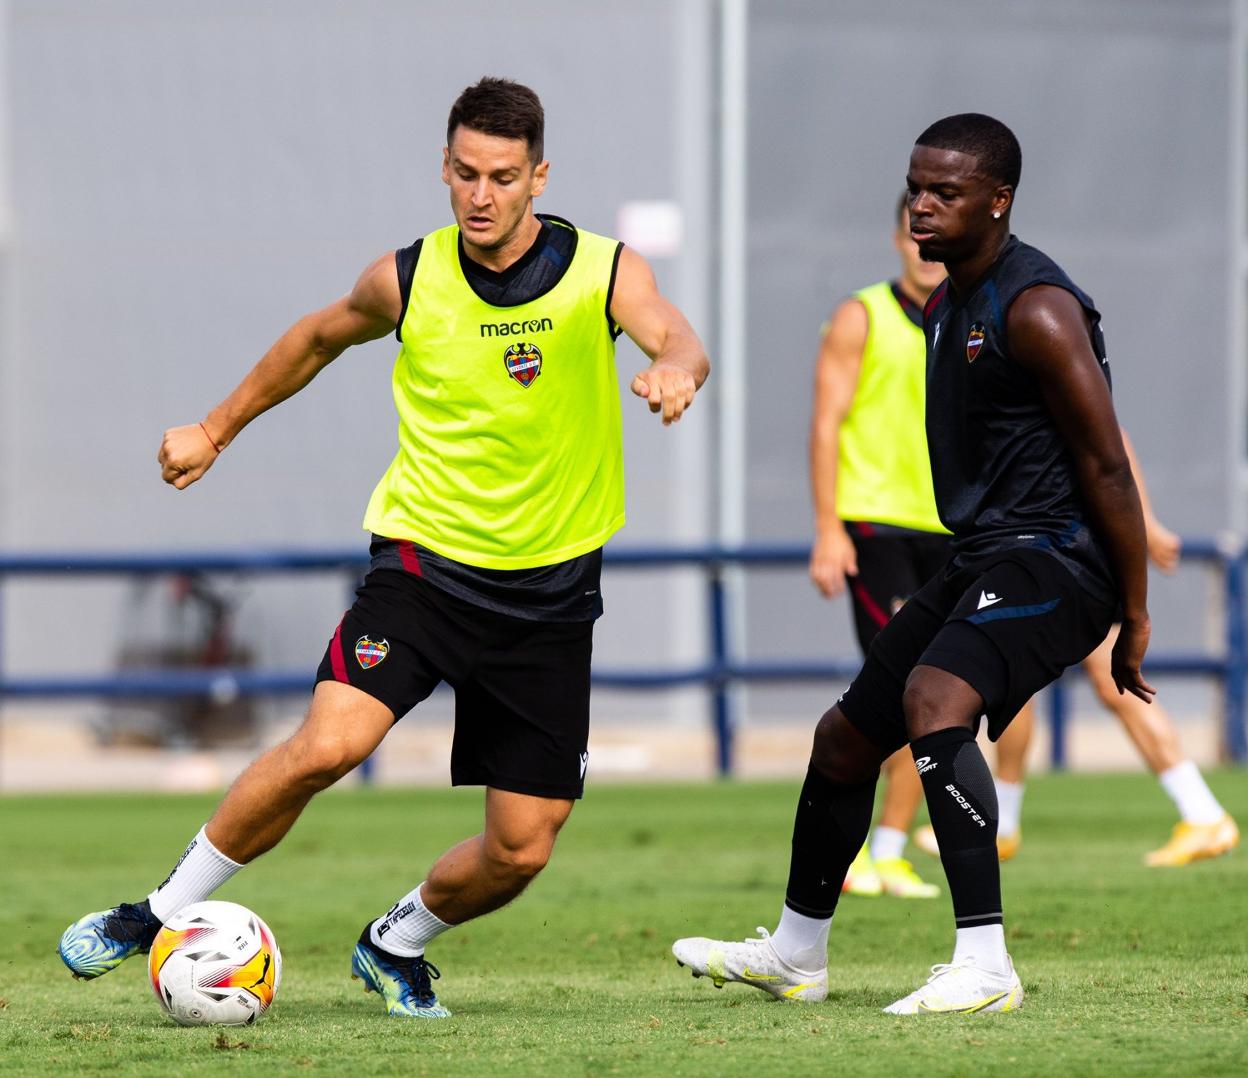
{"points": [[209, 437]]}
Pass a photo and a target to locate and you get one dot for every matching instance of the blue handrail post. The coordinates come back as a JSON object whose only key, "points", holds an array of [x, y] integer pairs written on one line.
{"points": [[721, 695], [1236, 684], [1059, 711]]}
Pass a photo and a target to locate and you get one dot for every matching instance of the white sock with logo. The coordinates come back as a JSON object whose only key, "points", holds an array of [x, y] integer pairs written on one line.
{"points": [[801, 941], [982, 947], [200, 870], [408, 927], [1009, 806], [887, 843], [1191, 794]]}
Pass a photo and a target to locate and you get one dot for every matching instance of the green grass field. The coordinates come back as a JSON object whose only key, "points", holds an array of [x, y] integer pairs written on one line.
{"points": [[1126, 969]]}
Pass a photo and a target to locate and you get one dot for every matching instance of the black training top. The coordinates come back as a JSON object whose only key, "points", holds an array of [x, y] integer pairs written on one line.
{"points": [[1002, 474], [568, 590]]}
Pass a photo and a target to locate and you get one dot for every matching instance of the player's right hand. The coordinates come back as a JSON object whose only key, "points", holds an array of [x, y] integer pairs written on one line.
{"points": [[185, 454], [1128, 655], [832, 559]]}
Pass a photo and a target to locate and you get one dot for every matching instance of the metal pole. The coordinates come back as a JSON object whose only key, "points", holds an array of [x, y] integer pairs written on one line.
{"points": [[730, 358], [1236, 683], [1059, 711], [1237, 337], [720, 681]]}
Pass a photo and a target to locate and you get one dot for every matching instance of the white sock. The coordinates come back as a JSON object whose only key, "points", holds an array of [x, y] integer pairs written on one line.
{"points": [[982, 947], [1009, 806], [802, 941], [887, 843], [1190, 794], [408, 927], [200, 870]]}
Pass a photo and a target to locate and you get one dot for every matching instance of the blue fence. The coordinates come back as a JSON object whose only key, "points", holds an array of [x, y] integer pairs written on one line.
{"points": [[718, 673]]}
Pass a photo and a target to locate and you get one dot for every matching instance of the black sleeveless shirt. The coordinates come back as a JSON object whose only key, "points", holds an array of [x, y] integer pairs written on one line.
{"points": [[1002, 474]]}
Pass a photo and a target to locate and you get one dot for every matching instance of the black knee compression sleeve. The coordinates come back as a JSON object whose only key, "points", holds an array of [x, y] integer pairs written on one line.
{"points": [[962, 803], [830, 827]]}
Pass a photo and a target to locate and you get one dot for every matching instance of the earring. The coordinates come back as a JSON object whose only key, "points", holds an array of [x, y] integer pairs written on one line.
{"points": [[996, 214]]}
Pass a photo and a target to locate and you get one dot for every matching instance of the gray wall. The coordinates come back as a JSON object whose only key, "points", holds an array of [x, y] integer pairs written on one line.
{"points": [[190, 178], [1120, 107], [186, 179]]}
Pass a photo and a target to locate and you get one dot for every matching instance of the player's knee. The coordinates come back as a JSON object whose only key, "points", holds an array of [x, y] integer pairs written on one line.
{"points": [[322, 760], [840, 753], [518, 863], [926, 705]]}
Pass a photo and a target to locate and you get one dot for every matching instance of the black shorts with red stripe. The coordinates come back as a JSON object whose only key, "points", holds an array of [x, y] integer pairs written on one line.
{"points": [[521, 685], [893, 563]]}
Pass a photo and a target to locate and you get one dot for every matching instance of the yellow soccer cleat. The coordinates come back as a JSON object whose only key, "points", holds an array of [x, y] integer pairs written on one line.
{"points": [[1007, 845], [1194, 842], [898, 878], [862, 878]]}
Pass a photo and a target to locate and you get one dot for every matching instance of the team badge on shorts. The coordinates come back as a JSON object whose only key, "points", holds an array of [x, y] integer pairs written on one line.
{"points": [[370, 653], [974, 341], [523, 363]]}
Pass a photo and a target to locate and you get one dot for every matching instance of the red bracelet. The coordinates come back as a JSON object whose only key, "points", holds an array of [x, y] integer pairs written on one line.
{"points": [[209, 437]]}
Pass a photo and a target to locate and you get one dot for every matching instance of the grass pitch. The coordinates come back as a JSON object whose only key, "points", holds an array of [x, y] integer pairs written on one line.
{"points": [[1127, 969]]}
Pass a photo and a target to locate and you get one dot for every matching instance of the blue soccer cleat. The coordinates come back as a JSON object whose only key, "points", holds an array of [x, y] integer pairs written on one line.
{"points": [[102, 941], [406, 984]]}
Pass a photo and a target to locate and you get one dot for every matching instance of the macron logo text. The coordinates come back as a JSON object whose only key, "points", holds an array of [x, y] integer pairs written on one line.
{"points": [[514, 329]]}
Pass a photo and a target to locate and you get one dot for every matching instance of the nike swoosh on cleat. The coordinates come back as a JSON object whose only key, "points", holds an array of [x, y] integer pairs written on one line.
{"points": [[750, 975], [792, 992], [971, 1009]]}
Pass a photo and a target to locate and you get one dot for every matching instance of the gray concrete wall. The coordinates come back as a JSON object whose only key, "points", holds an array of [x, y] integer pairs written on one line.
{"points": [[186, 179], [1120, 108]]}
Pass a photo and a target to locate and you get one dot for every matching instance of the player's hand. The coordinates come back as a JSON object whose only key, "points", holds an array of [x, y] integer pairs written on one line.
{"points": [[1126, 657], [1164, 547], [832, 559], [185, 454], [667, 388]]}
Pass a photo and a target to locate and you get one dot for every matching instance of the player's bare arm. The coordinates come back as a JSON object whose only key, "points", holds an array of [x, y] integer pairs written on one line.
{"points": [[678, 364], [368, 312], [833, 557], [1164, 546], [1049, 337]]}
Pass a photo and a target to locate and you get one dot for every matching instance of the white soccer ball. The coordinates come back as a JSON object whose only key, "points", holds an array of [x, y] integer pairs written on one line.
{"points": [[215, 964]]}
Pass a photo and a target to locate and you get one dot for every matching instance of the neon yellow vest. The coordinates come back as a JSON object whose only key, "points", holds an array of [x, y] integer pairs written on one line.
{"points": [[510, 437], [883, 472]]}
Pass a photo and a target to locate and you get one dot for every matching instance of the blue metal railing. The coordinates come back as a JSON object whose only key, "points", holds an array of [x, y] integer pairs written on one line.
{"points": [[719, 673]]}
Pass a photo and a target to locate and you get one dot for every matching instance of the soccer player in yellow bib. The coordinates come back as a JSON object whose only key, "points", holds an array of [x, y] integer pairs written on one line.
{"points": [[877, 533], [487, 529]]}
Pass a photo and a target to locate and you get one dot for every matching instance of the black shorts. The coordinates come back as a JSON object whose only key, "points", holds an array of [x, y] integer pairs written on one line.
{"points": [[893, 563], [521, 687], [1007, 624]]}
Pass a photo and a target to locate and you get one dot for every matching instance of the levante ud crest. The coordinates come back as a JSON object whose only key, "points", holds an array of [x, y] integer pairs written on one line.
{"points": [[369, 652], [523, 363], [974, 341]]}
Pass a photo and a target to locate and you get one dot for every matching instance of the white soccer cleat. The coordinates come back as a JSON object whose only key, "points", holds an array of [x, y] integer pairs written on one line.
{"points": [[963, 989], [753, 962]]}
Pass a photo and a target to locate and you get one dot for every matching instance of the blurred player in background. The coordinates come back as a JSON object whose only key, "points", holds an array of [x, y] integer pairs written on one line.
{"points": [[1031, 477], [1205, 829], [877, 531], [487, 528]]}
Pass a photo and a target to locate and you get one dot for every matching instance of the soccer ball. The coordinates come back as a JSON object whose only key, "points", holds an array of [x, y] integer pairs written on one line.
{"points": [[215, 964]]}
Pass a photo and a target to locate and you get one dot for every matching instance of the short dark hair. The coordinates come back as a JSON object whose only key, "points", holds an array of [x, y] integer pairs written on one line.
{"points": [[989, 141], [501, 107]]}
